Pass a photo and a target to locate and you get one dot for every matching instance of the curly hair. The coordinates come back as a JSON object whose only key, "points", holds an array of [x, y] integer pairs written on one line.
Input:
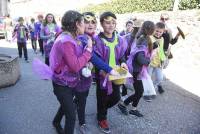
{"points": [[69, 21]]}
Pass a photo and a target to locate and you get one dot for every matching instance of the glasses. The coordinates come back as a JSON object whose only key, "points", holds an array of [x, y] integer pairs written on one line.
{"points": [[164, 19]]}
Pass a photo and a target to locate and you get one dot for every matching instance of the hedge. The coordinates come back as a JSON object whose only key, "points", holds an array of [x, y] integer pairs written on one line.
{"points": [[128, 6]]}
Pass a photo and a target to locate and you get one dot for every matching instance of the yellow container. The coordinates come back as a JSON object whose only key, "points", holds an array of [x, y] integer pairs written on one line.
{"points": [[121, 79]]}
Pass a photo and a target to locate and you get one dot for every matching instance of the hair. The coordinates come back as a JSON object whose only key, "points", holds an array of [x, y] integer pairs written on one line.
{"points": [[164, 15], [20, 19], [160, 25], [69, 21], [32, 19], [89, 13], [132, 38], [105, 15], [129, 22], [145, 31], [40, 16], [46, 21]]}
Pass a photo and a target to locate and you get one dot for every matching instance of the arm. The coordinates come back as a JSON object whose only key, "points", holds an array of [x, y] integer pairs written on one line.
{"points": [[99, 63], [141, 59], [43, 36], [74, 62], [174, 40]]}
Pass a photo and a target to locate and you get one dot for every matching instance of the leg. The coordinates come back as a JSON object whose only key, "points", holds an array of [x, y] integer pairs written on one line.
{"points": [[47, 61], [25, 52], [159, 79], [124, 90], [65, 97], [40, 41], [114, 98], [19, 45], [101, 102], [135, 98], [32, 45], [81, 103]]}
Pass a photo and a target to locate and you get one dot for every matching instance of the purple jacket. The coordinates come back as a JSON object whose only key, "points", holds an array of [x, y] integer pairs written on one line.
{"points": [[104, 52], [47, 39], [66, 69]]}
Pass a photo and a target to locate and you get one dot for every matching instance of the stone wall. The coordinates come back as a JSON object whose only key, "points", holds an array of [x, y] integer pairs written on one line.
{"points": [[9, 70]]}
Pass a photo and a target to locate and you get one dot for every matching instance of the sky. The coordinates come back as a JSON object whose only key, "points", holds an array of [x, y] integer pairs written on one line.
{"points": [[28, 7]]}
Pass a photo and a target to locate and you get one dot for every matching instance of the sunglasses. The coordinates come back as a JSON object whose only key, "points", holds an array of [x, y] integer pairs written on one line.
{"points": [[164, 19]]}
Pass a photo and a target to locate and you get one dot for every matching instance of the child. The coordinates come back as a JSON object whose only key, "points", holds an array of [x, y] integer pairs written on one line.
{"points": [[158, 57], [32, 34], [38, 25], [130, 38], [22, 35], [48, 32], [111, 48], [129, 28], [67, 58], [138, 61]]}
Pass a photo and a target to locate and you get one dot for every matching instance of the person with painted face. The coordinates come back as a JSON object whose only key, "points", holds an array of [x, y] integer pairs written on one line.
{"points": [[67, 59], [110, 48], [48, 32], [81, 97]]}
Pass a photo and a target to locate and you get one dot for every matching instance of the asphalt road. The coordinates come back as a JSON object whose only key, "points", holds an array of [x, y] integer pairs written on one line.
{"points": [[29, 106]]}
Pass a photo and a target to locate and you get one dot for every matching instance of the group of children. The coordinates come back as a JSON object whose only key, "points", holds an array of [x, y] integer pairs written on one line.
{"points": [[74, 49]]}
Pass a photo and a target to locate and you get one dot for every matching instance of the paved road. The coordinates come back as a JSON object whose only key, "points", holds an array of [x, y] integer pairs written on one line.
{"points": [[29, 106]]}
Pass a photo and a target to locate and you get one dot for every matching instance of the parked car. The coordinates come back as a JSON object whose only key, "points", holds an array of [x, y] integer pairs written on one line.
{"points": [[2, 29]]}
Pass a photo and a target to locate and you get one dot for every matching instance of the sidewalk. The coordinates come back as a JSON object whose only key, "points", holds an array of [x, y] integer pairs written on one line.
{"points": [[29, 107]]}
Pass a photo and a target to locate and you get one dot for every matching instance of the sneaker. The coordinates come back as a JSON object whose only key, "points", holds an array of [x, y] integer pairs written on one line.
{"points": [[58, 127], [123, 108], [147, 98], [27, 61], [103, 125], [160, 89], [153, 96], [83, 129], [136, 113]]}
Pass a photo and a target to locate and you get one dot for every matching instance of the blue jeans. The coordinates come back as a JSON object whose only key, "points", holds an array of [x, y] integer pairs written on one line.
{"points": [[157, 72]]}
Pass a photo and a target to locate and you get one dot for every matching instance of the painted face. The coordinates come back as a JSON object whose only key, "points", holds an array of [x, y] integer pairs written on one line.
{"points": [[129, 27], [80, 27], [90, 26], [49, 18], [109, 25], [158, 32]]}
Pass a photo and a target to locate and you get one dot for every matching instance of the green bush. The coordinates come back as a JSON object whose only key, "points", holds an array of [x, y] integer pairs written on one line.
{"points": [[127, 6], [189, 4]]}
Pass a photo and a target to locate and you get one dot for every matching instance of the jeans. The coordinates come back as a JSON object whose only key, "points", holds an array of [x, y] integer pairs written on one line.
{"points": [[65, 96], [22, 46], [158, 75]]}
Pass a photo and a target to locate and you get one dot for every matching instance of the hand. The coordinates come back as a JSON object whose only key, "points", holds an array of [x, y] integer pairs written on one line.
{"points": [[89, 43], [155, 45], [123, 65], [89, 65], [113, 72], [177, 35]]}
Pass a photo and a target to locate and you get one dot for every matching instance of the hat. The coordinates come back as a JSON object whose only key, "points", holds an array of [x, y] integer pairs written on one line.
{"points": [[137, 23]]}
